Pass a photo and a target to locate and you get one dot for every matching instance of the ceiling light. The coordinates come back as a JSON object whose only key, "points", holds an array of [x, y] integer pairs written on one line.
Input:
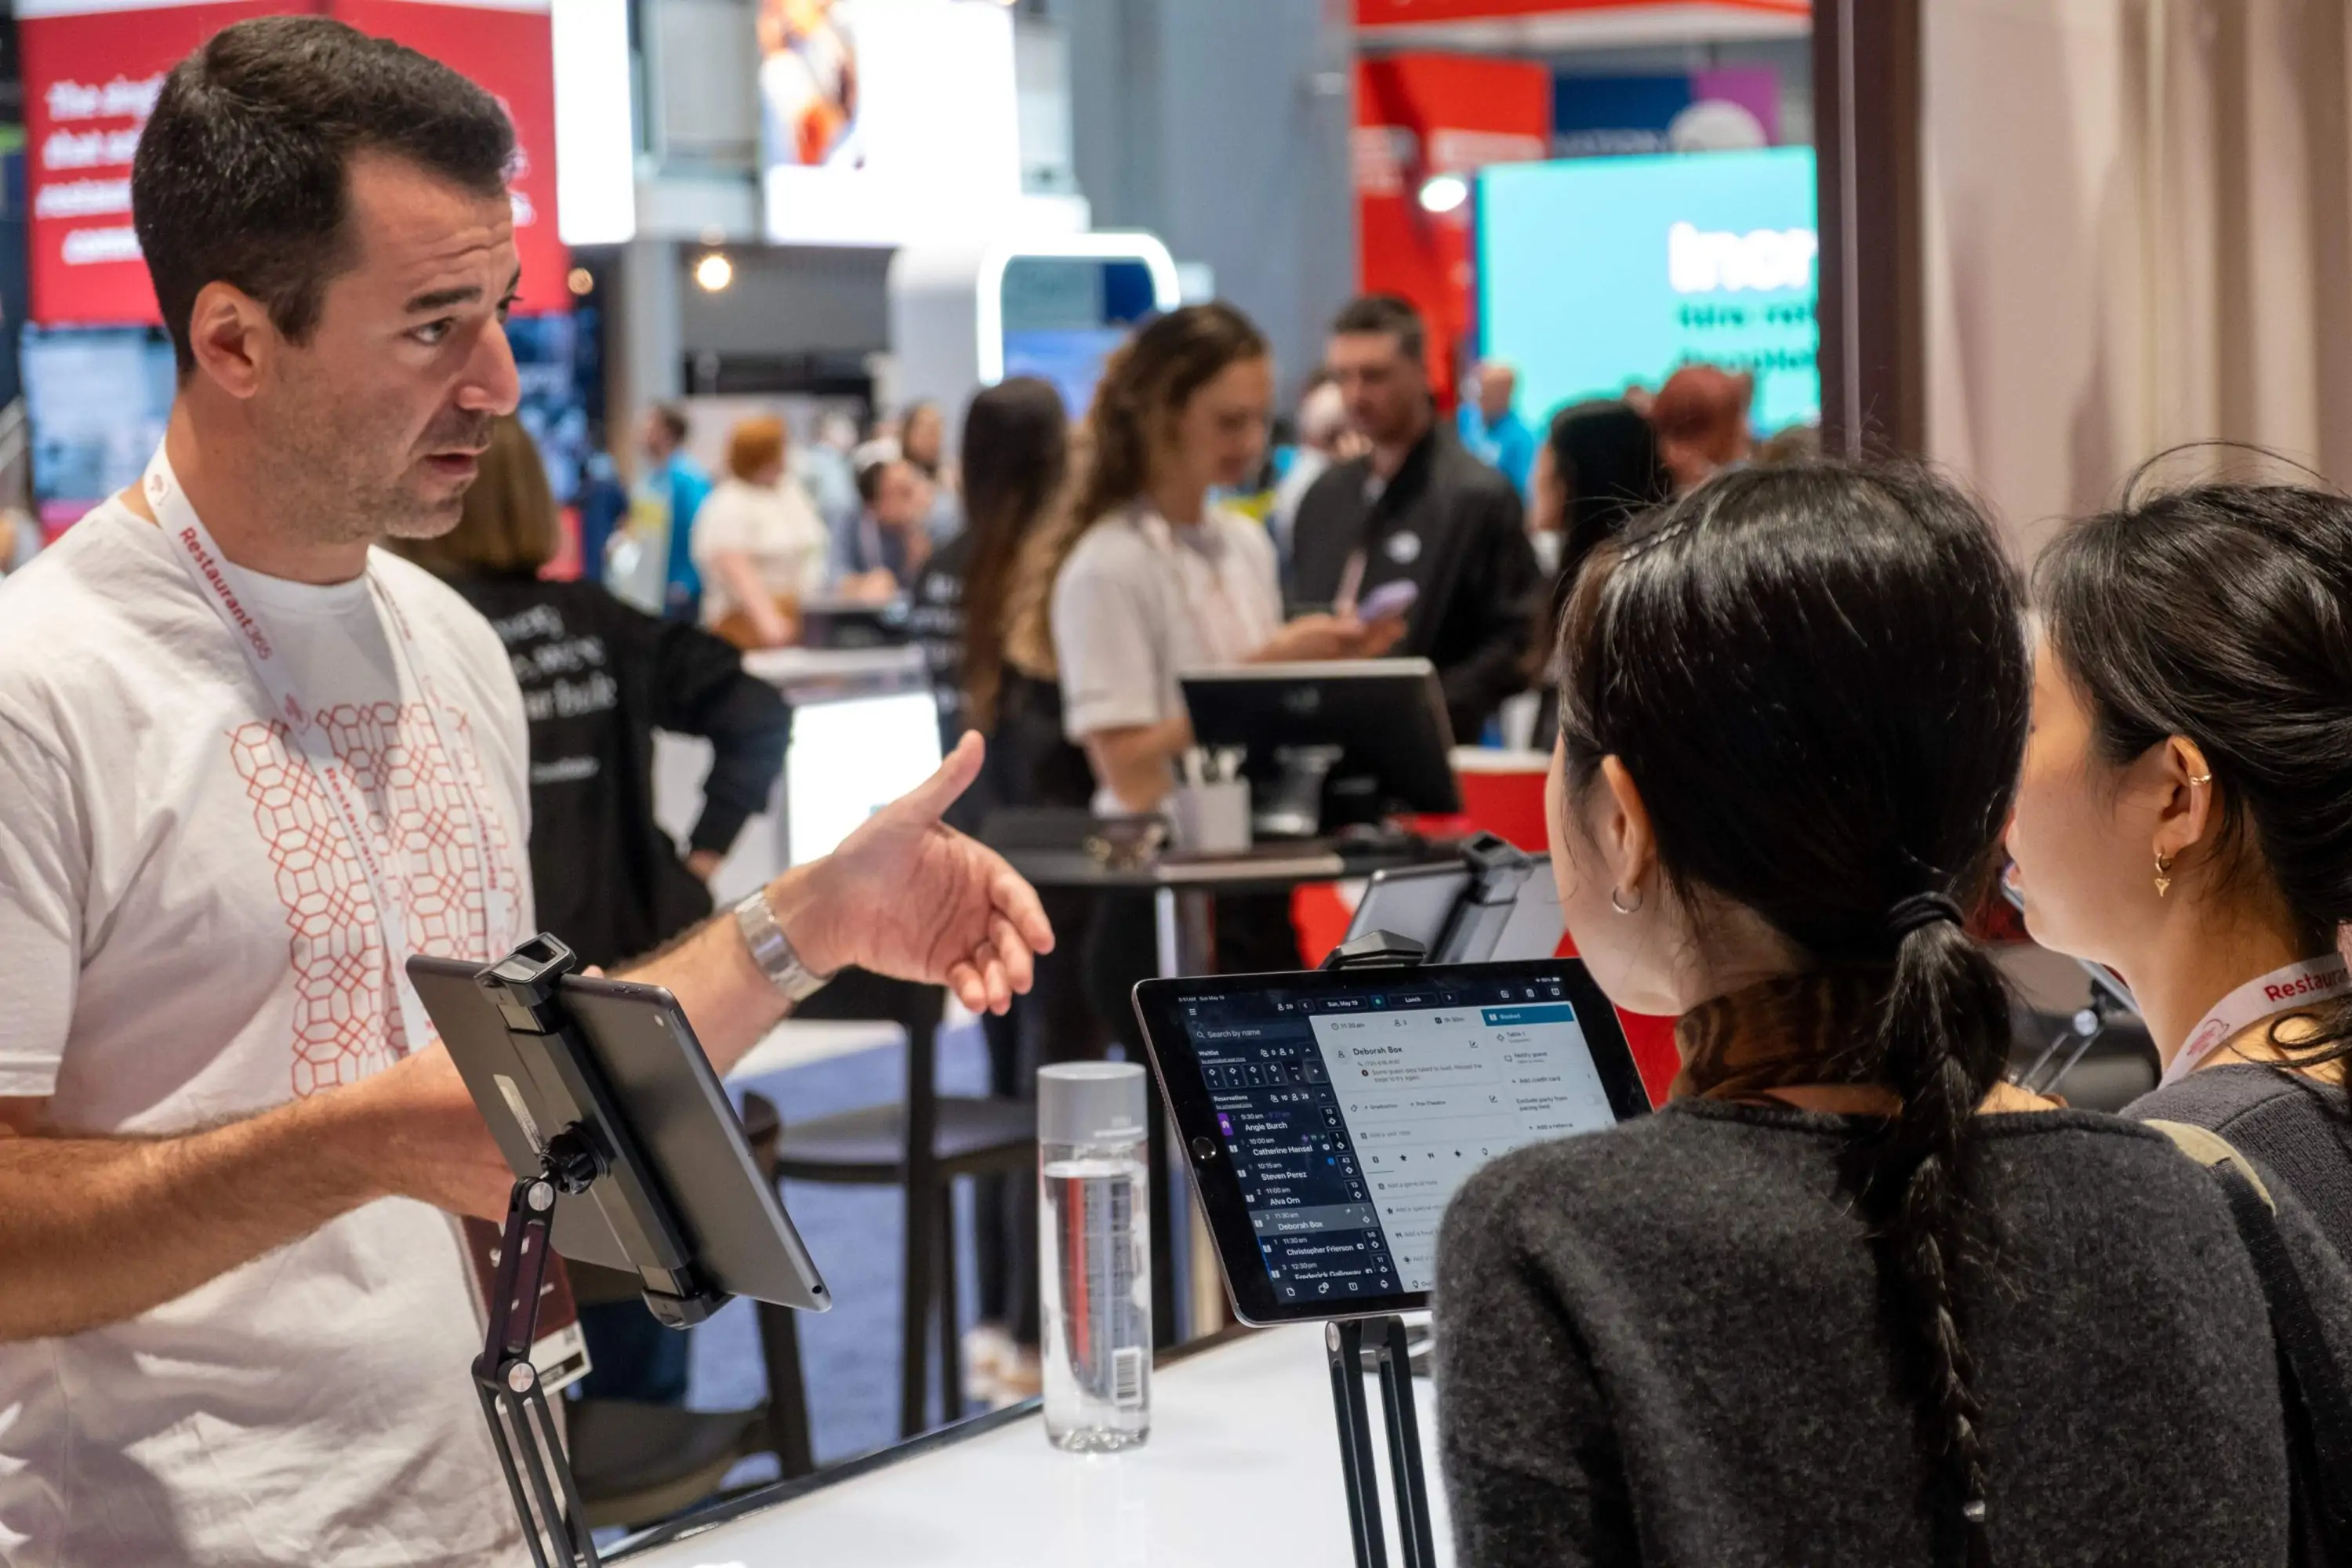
{"points": [[1443, 193], [581, 281], [714, 272]]}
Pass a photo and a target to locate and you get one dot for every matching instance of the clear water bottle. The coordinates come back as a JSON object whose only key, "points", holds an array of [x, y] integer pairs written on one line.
{"points": [[1095, 1253]]}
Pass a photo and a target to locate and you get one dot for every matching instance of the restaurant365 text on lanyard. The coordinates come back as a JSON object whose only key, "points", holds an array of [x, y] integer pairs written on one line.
{"points": [[560, 1351], [216, 582]]}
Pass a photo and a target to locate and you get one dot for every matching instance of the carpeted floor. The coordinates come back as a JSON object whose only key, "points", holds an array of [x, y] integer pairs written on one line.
{"points": [[851, 1353]]}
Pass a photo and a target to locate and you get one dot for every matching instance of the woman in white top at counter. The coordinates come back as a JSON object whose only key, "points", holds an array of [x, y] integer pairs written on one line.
{"points": [[1156, 581], [758, 542]]}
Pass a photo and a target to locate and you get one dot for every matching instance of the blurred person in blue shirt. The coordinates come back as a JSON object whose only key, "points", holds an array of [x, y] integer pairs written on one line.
{"points": [[682, 485], [1492, 429]]}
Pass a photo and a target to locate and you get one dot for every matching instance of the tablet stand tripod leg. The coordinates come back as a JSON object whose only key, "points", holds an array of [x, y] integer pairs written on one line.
{"points": [[1405, 1469], [1344, 1344], [512, 1400]]}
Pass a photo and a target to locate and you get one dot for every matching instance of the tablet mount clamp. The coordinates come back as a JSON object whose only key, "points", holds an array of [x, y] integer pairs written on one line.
{"points": [[592, 1145], [1345, 1344]]}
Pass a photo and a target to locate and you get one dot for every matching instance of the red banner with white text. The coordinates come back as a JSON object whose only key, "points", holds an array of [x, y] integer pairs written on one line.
{"points": [[92, 69], [91, 75], [1419, 118], [507, 49]]}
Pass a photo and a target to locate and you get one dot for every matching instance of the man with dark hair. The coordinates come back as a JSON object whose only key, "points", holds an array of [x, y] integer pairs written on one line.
{"points": [[679, 485], [1417, 508], [251, 764], [1383, 316], [886, 549]]}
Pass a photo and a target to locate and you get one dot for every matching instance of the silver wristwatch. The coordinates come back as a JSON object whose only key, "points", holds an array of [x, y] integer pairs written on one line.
{"points": [[774, 952]]}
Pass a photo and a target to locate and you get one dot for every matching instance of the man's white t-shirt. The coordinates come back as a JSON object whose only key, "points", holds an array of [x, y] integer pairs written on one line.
{"points": [[186, 936]]}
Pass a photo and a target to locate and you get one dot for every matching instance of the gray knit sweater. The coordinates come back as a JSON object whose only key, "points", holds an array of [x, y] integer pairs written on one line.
{"points": [[2299, 1130], [1661, 1346]]}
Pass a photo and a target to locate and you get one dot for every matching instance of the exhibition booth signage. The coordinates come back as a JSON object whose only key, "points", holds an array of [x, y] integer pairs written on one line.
{"points": [[92, 69]]}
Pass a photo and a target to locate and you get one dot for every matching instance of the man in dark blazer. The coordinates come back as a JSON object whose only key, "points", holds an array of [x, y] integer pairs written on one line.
{"points": [[1419, 508]]}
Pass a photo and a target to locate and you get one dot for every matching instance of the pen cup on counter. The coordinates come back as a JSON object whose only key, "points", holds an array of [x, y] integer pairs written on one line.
{"points": [[1212, 819]]}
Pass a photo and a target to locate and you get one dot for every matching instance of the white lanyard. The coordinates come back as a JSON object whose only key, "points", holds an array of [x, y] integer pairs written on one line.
{"points": [[216, 582], [2320, 979]]}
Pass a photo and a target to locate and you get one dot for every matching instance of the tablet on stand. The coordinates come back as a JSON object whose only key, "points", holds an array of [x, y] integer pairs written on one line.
{"points": [[1494, 904], [1329, 1117], [626, 1152]]}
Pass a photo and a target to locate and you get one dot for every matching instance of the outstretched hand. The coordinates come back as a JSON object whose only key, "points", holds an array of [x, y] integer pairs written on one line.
{"points": [[908, 896]]}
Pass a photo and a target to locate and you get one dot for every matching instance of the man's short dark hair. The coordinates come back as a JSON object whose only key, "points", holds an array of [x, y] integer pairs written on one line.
{"points": [[672, 419], [1388, 314], [242, 172]]}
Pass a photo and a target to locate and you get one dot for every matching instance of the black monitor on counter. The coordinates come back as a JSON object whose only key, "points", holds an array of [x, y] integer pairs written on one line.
{"points": [[1346, 741]]}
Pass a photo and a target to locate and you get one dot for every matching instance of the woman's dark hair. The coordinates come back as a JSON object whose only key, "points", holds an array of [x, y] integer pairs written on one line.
{"points": [[1016, 455], [2222, 613], [1606, 459], [1817, 677]]}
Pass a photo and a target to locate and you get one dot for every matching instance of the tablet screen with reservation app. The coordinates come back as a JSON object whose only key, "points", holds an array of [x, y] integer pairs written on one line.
{"points": [[1329, 1119]]}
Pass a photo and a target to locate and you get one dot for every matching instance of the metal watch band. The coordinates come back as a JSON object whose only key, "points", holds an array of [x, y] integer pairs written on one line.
{"points": [[772, 951]]}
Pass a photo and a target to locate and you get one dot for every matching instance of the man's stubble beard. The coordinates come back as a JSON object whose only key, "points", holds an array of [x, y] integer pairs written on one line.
{"points": [[333, 495]]}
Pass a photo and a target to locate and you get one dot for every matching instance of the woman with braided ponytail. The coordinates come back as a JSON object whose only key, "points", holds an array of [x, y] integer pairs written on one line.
{"points": [[1848, 1297], [2185, 815]]}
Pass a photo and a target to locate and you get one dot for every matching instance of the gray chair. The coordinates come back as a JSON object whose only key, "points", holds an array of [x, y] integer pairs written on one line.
{"points": [[923, 1143]]}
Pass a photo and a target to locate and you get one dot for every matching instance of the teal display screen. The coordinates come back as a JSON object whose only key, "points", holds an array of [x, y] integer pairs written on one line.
{"points": [[1595, 274]]}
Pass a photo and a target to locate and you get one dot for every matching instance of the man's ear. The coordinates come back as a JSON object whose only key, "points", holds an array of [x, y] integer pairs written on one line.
{"points": [[232, 337]]}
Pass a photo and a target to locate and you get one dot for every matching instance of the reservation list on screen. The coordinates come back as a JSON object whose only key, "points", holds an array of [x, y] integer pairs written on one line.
{"points": [[1350, 1120]]}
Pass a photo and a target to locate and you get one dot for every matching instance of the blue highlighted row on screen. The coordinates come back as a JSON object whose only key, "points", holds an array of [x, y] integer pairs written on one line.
{"points": [[1547, 1013]]}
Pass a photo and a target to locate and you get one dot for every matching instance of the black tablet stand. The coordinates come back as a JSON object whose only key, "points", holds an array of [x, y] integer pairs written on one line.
{"points": [[594, 1142], [1499, 870], [1344, 1344]]}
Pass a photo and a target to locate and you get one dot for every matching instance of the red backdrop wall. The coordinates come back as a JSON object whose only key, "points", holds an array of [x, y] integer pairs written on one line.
{"points": [[1420, 115], [92, 70]]}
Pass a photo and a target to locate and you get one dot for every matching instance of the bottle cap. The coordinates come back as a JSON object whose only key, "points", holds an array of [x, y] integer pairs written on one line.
{"points": [[1091, 1102]]}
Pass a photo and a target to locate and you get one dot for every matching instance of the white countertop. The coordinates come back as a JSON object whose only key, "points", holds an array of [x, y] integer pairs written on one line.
{"points": [[1242, 1467]]}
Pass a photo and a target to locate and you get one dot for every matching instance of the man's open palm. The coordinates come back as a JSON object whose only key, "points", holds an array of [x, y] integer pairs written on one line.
{"points": [[905, 895]]}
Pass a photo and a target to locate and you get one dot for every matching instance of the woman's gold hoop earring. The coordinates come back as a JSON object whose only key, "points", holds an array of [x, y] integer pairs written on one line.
{"points": [[1616, 902], [2163, 873]]}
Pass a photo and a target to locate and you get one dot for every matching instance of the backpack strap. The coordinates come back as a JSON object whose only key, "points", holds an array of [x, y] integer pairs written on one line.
{"points": [[2216, 1154], [2314, 1384]]}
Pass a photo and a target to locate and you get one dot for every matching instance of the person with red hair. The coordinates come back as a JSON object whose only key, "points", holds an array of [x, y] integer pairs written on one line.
{"points": [[1701, 418]]}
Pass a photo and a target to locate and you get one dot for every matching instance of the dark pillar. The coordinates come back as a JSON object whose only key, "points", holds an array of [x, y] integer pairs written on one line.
{"points": [[1866, 70]]}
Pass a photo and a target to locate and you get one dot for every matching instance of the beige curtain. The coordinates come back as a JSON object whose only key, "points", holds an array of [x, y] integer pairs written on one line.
{"points": [[2139, 234]]}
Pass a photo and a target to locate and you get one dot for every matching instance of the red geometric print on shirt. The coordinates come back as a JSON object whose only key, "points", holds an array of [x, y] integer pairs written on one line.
{"points": [[426, 838]]}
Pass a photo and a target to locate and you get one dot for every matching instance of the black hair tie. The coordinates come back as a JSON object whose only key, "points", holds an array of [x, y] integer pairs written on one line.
{"points": [[1907, 915]]}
